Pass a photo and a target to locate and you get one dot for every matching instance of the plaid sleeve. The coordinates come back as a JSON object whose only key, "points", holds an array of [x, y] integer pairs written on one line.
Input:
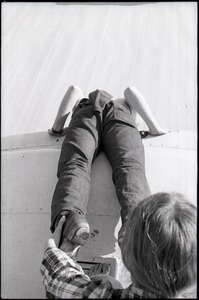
{"points": [[64, 278]]}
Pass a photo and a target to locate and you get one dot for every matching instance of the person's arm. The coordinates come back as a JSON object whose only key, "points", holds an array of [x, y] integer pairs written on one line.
{"points": [[102, 271], [137, 104], [63, 277], [70, 100]]}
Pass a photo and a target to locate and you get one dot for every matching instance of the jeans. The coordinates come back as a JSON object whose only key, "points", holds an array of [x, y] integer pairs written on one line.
{"points": [[96, 125]]}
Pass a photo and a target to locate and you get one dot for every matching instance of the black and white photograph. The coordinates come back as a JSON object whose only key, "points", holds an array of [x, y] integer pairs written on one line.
{"points": [[99, 150]]}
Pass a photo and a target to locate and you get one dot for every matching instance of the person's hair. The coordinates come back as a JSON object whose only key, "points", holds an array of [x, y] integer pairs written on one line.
{"points": [[159, 247]]}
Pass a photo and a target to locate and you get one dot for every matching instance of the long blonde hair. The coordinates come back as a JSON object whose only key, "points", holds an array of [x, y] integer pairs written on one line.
{"points": [[159, 246]]}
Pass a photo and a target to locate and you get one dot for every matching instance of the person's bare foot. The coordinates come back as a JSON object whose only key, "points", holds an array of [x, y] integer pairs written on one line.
{"points": [[76, 229], [69, 248]]}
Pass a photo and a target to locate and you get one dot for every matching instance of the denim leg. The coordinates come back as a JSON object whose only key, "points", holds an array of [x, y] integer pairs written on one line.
{"points": [[124, 149], [80, 147]]}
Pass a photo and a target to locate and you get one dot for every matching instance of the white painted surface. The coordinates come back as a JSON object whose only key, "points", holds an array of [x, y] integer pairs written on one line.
{"points": [[47, 46], [29, 164]]}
